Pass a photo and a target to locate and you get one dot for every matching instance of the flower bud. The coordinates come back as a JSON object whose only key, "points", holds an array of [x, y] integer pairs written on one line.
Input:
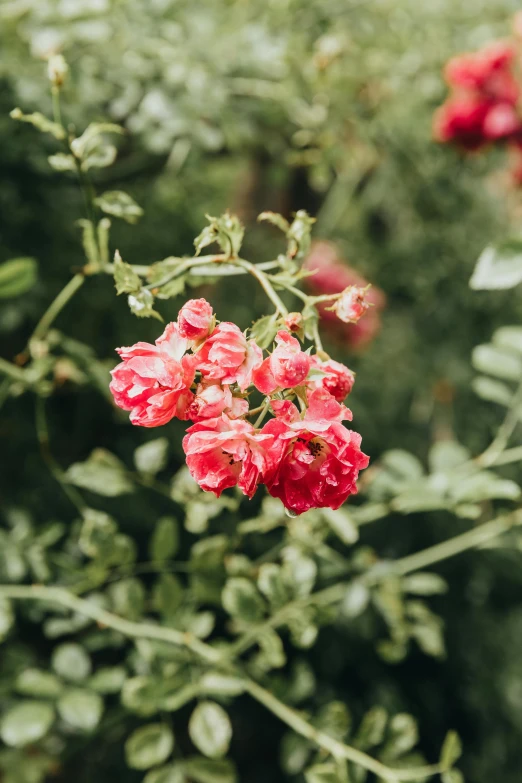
{"points": [[195, 319], [351, 305], [57, 69], [294, 322]]}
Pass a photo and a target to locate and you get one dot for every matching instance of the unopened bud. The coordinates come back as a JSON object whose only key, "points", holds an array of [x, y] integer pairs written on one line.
{"points": [[57, 69], [294, 322], [352, 304]]}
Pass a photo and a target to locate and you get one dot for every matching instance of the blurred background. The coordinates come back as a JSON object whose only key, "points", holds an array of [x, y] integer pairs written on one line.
{"points": [[252, 105]]}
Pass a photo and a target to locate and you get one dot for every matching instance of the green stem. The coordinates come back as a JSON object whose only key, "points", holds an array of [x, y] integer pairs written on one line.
{"points": [[506, 429], [57, 306], [331, 595], [42, 433], [89, 609], [337, 749], [263, 413], [12, 371], [57, 114], [508, 456], [264, 282], [209, 654]]}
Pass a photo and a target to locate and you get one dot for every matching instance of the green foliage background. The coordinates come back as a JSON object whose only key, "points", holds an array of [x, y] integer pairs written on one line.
{"points": [[318, 104]]}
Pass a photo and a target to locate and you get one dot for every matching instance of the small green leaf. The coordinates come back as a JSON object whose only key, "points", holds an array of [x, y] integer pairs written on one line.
{"points": [[97, 533], [264, 330], [424, 584], [125, 278], [165, 539], [322, 773], [227, 230], [40, 122], [294, 753], [299, 235], [102, 473], [108, 679], [151, 457], [36, 682], [403, 735], [452, 776], [171, 773], [372, 729], [141, 304], [17, 276], [210, 729], [119, 204], [271, 583], [498, 267], [218, 684], [241, 599], [128, 598], [167, 594], [71, 662], [80, 708], [25, 723], [500, 362], [275, 219], [355, 601], [342, 524], [451, 750], [148, 746], [60, 161], [310, 320], [491, 390], [201, 770]]}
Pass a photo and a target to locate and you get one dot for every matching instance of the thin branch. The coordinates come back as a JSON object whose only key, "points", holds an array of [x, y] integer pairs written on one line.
{"points": [[55, 308], [265, 283], [491, 454]]}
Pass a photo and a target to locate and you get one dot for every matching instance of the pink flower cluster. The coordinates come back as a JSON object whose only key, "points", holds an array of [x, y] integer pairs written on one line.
{"points": [[485, 93], [204, 372], [331, 276]]}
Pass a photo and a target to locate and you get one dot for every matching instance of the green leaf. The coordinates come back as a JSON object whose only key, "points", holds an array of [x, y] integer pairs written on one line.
{"points": [[141, 304], [36, 682], [227, 230], [151, 457], [102, 473], [71, 662], [310, 320], [171, 773], [509, 337], [128, 598], [299, 235], [164, 543], [447, 454], [276, 220], [264, 330], [40, 122], [322, 773], [451, 750], [26, 723], [334, 718], [89, 243], [108, 679], [60, 161], [405, 465], [452, 776], [148, 746], [210, 729], [167, 594], [125, 278], [355, 601], [424, 583], [219, 684], [80, 708], [294, 753], [17, 276], [500, 362], [201, 770], [342, 524], [119, 204], [403, 735], [271, 583], [372, 729], [491, 390], [498, 267], [241, 599], [97, 534]]}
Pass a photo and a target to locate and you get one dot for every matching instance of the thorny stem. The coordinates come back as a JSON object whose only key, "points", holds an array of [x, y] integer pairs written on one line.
{"points": [[209, 654]]}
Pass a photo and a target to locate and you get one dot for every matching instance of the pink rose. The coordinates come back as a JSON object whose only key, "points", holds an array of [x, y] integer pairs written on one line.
{"points": [[153, 381], [337, 379], [351, 305], [488, 71], [227, 356], [317, 460], [213, 399], [285, 368], [223, 452], [195, 319]]}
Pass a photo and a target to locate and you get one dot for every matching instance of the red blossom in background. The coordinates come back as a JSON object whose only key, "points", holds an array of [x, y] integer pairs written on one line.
{"points": [[484, 103], [332, 276], [308, 462]]}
